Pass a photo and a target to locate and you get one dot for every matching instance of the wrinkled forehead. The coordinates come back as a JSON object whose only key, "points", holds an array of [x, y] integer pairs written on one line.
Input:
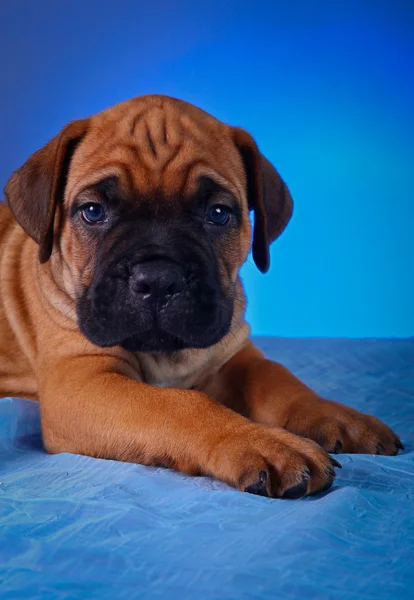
{"points": [[157, 147]]}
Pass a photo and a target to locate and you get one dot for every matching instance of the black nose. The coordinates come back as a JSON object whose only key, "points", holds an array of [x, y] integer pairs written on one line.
{"points": [[157, 279]]}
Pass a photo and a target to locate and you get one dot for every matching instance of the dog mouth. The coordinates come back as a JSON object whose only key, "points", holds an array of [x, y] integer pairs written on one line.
{"points": [[154, 342], [155, 335], [157, 340]]}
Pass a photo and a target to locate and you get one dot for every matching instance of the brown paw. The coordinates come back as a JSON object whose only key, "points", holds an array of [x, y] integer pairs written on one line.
{"points": [[272, 462], [338, 428]]}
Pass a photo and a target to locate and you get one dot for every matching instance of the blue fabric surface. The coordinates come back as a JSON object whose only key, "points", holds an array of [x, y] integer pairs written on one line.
{"points": [[76, 527]]}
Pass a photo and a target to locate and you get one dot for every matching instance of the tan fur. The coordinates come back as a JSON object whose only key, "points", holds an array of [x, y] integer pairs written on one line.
{"points": [[225, 410]]}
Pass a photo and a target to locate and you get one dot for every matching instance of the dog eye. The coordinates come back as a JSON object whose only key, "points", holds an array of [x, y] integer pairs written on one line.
{"points": [[93, 213], [219, 214]]}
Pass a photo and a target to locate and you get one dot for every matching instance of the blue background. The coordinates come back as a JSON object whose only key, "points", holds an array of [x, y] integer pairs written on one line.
{"points": [[326, 88]]}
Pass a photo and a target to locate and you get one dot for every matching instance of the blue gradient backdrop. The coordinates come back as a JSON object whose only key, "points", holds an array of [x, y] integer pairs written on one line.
{"points": [[326, 88]]}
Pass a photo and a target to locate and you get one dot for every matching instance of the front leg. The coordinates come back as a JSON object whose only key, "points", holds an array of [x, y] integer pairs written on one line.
{"points": [[272, 395], [94, 405]]}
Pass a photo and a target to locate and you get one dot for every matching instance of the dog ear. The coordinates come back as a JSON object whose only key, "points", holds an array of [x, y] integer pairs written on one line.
{"points": [[34, 191], [268, 197]]}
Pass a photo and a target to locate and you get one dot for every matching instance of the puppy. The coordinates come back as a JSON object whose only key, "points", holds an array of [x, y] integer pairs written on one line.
{"points": [[122, 310]]}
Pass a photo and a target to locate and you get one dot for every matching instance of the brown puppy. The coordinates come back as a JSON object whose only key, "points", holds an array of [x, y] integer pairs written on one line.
{"points": [[122, 310]]}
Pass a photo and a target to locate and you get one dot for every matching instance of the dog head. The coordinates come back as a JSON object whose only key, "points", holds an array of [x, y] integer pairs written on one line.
{"points": [[144, 209]]}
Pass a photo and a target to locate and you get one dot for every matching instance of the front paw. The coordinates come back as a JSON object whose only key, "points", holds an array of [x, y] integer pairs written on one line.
{"points": [[338, 428], [272, 462]]}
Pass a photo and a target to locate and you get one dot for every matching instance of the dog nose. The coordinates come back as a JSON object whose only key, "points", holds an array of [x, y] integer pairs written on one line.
{"points": [[156, 279]]}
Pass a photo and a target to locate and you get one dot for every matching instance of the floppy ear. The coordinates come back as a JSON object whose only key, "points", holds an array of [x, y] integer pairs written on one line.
{"points": [[268, 197], [34, 191]]}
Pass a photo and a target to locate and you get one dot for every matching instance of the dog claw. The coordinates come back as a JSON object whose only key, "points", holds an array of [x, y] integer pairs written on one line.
{"points": [[336, 464], [259, 488], [297, 491], [327, 485], [338, 447]]}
